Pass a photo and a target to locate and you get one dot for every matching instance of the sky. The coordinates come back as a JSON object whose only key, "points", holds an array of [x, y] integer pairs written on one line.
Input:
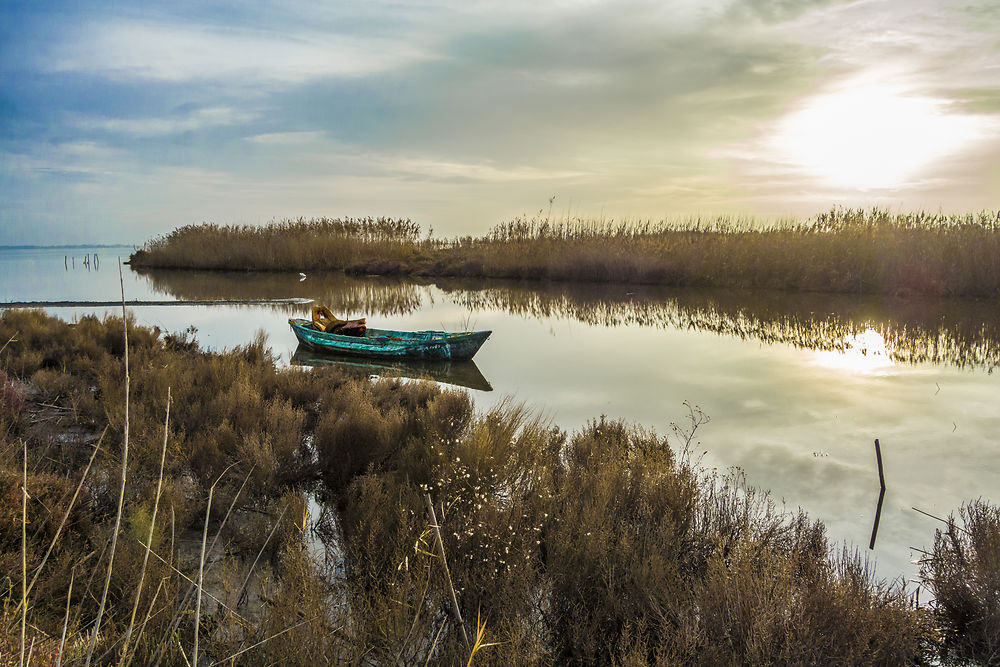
{"points": [[122, 121]]}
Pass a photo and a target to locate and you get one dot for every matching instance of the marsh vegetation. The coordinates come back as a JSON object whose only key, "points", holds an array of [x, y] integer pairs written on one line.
{"points": [[608, 544], [851, 251]]}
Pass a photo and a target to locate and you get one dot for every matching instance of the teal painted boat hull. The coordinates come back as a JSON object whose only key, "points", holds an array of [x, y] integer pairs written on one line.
{"points": [[390, 344]]}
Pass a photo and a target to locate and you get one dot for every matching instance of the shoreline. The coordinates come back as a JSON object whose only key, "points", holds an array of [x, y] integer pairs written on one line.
{"points": [[146, 302]]}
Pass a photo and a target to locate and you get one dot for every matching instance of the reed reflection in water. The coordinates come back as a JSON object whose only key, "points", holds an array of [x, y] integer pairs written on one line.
{"points": [[956, 332], [345, 295]]}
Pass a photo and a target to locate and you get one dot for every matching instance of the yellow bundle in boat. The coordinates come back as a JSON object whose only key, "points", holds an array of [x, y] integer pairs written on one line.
{"points": [[323, 319]]}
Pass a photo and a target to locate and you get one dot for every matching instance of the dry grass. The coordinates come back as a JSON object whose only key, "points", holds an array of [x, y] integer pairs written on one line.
{"points": [[289, 245], [853, 251], [608, 545], [963, 573]]}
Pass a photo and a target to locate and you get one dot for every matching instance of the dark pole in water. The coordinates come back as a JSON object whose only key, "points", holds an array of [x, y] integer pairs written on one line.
{"points": [[878, 515], [878, 458], [881, 495]]}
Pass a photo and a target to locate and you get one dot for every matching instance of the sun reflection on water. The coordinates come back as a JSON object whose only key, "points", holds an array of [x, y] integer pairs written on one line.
{"points": [[861, 353]]}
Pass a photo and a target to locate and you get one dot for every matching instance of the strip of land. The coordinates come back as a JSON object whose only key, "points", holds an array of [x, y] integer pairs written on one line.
{"points": [[146, 302], [848, 251]]}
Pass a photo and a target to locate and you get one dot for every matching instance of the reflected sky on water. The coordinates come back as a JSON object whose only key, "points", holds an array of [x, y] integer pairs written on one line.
{"points": [[797, 386]]}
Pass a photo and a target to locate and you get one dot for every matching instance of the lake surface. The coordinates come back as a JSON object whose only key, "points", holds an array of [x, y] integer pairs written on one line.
{"points": [[797, 386]]}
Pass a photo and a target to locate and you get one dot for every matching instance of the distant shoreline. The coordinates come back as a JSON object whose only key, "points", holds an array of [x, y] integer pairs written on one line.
{"points": [[67, 247]]}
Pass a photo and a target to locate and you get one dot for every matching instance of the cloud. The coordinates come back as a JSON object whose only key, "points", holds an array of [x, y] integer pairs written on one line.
{"points": [[195, 120], [287, 138], [463, 113], [137, 49]]}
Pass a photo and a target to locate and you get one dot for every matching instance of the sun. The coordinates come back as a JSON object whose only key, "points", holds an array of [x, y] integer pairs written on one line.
{"points": [[867, 136]]}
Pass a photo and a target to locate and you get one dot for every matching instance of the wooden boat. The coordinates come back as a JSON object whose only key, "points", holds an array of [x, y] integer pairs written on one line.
{"points": [[458, 373], [390, 344]]}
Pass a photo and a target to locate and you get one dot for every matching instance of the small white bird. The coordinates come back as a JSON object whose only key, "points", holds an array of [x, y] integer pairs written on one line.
{"points": [[302, 277]]}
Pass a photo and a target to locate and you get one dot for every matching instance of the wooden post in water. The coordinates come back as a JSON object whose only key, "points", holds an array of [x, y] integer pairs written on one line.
{"points": [[878, 458], [881, 495]]}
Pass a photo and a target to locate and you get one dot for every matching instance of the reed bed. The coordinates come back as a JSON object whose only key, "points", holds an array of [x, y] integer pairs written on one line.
{"points": [[843, 250], [607, 545], [288, 245]]}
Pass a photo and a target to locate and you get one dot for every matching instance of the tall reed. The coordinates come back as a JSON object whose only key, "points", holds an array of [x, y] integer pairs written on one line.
{"points": [[843, 250]]}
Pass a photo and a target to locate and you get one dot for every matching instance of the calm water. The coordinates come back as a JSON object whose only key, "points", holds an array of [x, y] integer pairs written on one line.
{"points": [[797, 386]]}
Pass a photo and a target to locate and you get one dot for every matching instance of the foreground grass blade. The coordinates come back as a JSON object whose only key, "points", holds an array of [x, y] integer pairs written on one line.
{"points": [[121, 493]]}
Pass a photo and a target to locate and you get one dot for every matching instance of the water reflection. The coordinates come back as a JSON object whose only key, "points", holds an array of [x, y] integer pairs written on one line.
{"points": [[459, 373], [865, 333], [345, 295], [865, 352]]}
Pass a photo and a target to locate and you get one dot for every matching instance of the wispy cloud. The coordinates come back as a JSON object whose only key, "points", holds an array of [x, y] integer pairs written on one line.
{"points": [[287, 138], [179, 52], [187, 122]]}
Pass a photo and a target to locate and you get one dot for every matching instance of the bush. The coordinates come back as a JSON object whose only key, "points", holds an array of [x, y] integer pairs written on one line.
{"points": [[964, 576]]}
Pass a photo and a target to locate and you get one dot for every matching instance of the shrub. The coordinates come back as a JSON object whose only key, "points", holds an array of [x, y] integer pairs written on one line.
{"points": [[964, 576]]}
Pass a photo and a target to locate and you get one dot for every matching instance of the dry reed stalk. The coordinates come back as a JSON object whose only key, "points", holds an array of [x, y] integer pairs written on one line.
{"points": [[201, 576], [201, 559], [152, 526], [62, 523], [193, 583], [181, 649], [172, 526], [10, 340], [24, 550], [434, 644], [246, 580], [62, 641], [267, 639], [416, 616], [121, 492], [149, 615], [447, 574], [175, 621], [90, 580]]}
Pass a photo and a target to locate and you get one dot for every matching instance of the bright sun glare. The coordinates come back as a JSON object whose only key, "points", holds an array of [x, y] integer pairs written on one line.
{"points": [[865, 352], [866, 136]]}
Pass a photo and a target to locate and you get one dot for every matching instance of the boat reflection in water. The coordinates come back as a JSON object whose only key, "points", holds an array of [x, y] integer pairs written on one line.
{"points": [[459, 373]]}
